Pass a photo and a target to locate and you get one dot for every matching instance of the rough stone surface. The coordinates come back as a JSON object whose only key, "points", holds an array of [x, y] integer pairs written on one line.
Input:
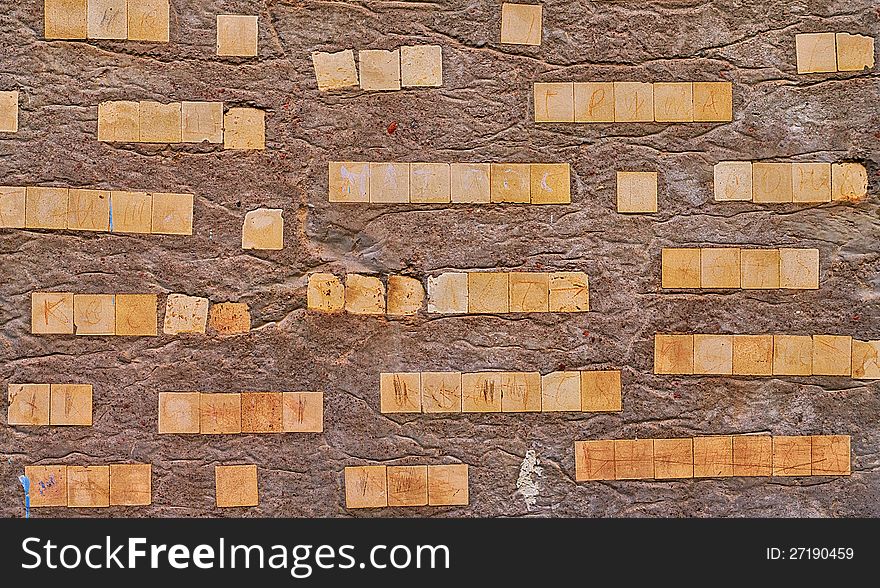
{"points": [[483, 112]]}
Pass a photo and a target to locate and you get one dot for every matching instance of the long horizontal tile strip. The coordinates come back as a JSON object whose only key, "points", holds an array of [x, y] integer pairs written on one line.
{"points": [[404, 67], [122, 484], [736, 268], [712, 457], [830, 52], [766, 355], [116, 211], [245, 412], [607, 102], [438, 183], [789, 182], [49, 404], [445, 392], [132, 20], [381, 486]]}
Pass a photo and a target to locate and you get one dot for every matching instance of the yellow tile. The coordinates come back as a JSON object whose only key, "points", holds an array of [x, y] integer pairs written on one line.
{"points": [[70, 404], [48, 485], [680, 268], [9, 111], [673, 354], [854, 52], [561, 392], [752, 455], [302, 412], [335, 70], [429, 182], [849, 181], [569, 292], [792, 456], [12, 207], [407, 485], [521, 392], [219, 413], [131, 212], [28, 404], [760, 268], [529, 291], [448, 293], [237, 35], [236, 485], [229, 318], [633, 459], [389, 183], [380, 70], [136, 314], [160, 123], [733, 181], [400, 392], [636, 192], [830, 455], [815, 52], [713, 457], [325, 293], [488, 292], [179, 412], [148, 20], [753, 355], [554, 102], [811, 182], [720, 267], [172, 213], [481, 392], [46, 208], [799, 269], [441, 391], [421, 65], [261, 412], [201, 121], [521, 24], [600, 391], [185, 314], [594, 460], [263, 229], [713, 354], [108, 19], [633, 102], [511, 182], [551, 183], [448, 485], [88, 486], [349, 181], [52, 313], [65, 19], [866, 360], [244, 128], [470, 183], [366, 487], [832, 355], [119, 122], [94, 314], [364, 294], [674, 102], [713, 101], [771, 182], [792, 355], [594, 102], [406, 296], [673, 458], [131, 484], [88, 210]]}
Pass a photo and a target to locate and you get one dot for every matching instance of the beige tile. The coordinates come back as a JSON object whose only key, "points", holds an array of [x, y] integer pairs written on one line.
{"points": [[65, 19], [261, 412], [88, 210], [172, 213], [88, 486], [46, 208], [470, 183], [713, 354], [811, 182], [594, 102], [389, 183], [380, 70], [160, 123], [733, 181], [349, 181], [753, 355], [511, 182], [263, 229], [551, 183], [448, 485], [680, 268], [792, 355], [108, 19], [366, 487], [70, 404], [673, 458], [236, 485], [488, 292], [119, 122], [237, 35], [673, 354], [792, 456], [94, 314], [720, 267], [636, 192], [325, 293], [52, 313], [406, 296], [244, 128], [302, 412], [9, 111], [407, 485], [421, 65], [752, 455], [771, 183], [554, 102], [832, 355], [521, 23], [448, 293], [529, 291], [48, 485], [12, 207], [400, 392], [600, 391], [849, 181], [335, 70], [633, 102], [136, 314], [179, 412], [148, 20], [441, 391], [760, 268], [866, 360], [713, 101], [854, 52], [481, 392], [561, 392], [521, 392], [201, 121], [229, 318], [815, 52], [569, 292], [799, 269], [185, 314], [131, 212], [28, 404], [674, 102], [219, 413], [594, 460], [713, 457], [830, 455], [131, 484], [633, 459], [429, 182], [364, 294]]}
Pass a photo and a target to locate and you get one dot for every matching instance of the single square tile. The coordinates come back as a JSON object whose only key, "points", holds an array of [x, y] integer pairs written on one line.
{"points": [[815, 52], [521, 24], [448, 293], [12, 207], [52, 313], [229, 318], [263, 229], [237, 35], [349, 181], [131, 212], [488, 292], [529, 291], [832, 355], [325, 293], [849, 181], [302, 412], [131, 484], [421, 65], [561, 392], [674, 102], [569, 292], [713, 101], [830, 455], [520, 392], [119, 121], [441, 391], [811, 182], [799, 269], [46, 208], [88, 210], [753, 355], [334, 70], [713, 354], [389, 183], [219, 414], [108, 19], [673, 458], [28, 404], [148, 20], [792, 456], [94, 314], [760, 268], [380, 70], [236, 485], [406, 296], [554, 101], [854, 52], [771, 183], [244, 128], [364, 294], [88, 486], [673, 354], [633, 459], [448, 485], [136, 314], [866, 360], [752, 455], [636, 192], [261, 412], [469, 183], [185, 314], [511, 182], [713, 457], [551, 183], [366, 487], [633, 102], [720, 267], [160, 123], [400, 392], [429, 182], [48, 485], [594, 102], [407, 485], [172, 214], [733, 181], [594, 460], [481, 392], [65, 19], [179, 412], [600, 391], [792, 355], [680, 268], [9, 112], [70, 404], [201, 121]]}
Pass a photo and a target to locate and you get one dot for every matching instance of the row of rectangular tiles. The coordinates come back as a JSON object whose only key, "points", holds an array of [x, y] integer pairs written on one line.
{"points": [[766, 355], [408, 66], [133, 20], [122, 484], [49, 404], [828, 52], [416, 485], [732, 267], [712, 457], [433, 392], [246, 412], [782, 182]]}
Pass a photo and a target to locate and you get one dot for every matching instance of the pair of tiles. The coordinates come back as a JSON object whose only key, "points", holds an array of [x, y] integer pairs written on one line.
{"points": [[191, 314], [62, 313], [121, 484], [96, 210], [607, 102], [247, 412], [124, 121], [406, 485], [408, 66], [521, 24], [730, 267], [766, 355], [712, 457], [471, 183], [771, 182], [134, 20], [9, 111], [432, 392], [49, 404], [636, 192], [263, 228], [827, 52]]}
